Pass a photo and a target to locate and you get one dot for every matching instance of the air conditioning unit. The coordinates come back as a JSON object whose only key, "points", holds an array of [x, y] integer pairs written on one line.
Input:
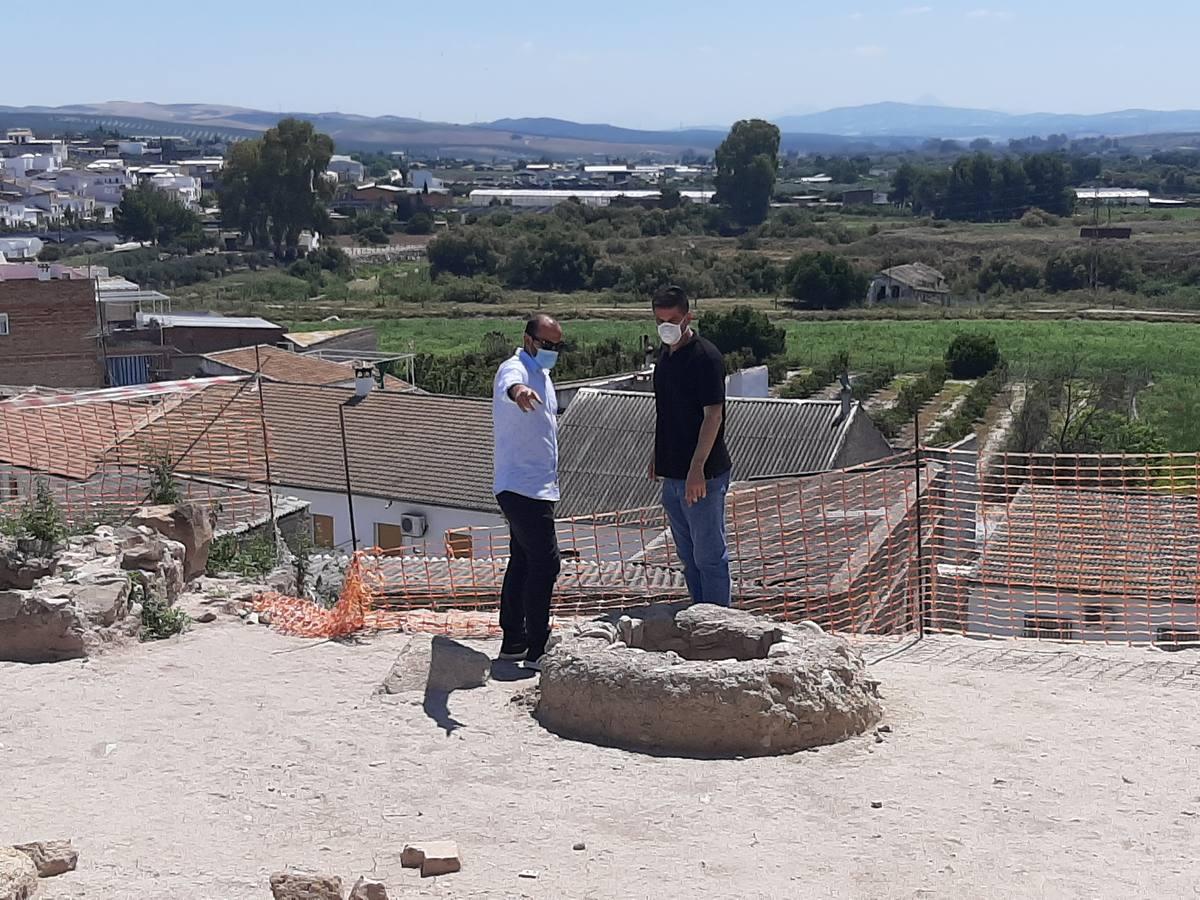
{"points": [[413, 525]]}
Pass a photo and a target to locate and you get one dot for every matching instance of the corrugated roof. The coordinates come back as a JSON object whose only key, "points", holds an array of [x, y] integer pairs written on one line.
{"points": [[606, 438], [919, 277], [197, 320], [1135, 546], [422, 448]]}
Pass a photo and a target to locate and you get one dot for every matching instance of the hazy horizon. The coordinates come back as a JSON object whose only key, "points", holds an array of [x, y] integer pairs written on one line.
{"points": [[674, 65]]}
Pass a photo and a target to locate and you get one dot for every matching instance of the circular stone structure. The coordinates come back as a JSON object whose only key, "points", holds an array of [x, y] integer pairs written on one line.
{"points": [[705, 681]]}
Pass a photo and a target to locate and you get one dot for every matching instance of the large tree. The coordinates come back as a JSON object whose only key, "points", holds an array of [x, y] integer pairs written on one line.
{"points": [[747, 163], [148, 214], [272, 187]]}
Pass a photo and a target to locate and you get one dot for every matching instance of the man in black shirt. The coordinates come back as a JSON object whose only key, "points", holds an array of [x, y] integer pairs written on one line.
{"points": [[689, 447]]}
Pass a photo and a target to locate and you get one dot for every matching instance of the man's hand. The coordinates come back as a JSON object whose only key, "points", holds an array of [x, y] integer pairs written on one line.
{"points": [[696, 488], [653, 476], [525, 397]]}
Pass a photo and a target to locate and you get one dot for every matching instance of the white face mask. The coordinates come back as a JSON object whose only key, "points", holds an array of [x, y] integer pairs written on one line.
{"points": [[670, 333]]}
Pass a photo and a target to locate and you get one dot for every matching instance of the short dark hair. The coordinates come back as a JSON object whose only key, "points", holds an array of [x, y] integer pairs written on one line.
{"points": [[670, 297], [531, 326]]}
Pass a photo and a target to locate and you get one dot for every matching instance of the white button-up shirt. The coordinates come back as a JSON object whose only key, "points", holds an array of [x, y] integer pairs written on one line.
{"points": [[526, 443]]}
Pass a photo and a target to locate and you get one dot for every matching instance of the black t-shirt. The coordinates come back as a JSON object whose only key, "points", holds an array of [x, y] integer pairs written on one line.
{"points": [[685, 382]]}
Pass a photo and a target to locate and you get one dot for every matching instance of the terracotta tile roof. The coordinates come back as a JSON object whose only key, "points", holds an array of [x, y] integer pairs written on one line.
{"points": [[308, 339], [422, 448], [293, 368], [1090, 542]]}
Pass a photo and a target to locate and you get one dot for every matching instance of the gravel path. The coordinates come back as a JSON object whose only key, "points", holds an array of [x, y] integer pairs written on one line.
{"points": [[193, 768]]}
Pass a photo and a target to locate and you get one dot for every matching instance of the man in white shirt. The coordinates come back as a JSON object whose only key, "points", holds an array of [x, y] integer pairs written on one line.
{"points": [[525, 420]]}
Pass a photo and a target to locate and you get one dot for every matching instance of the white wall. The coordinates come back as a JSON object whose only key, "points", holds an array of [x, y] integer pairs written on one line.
{"points": [[1000, 612], [753, 382], [370, 510]]}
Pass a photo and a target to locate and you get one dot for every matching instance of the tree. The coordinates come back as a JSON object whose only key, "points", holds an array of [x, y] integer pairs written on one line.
{"points": [[903, 181], [557, 260], [747, 162], [743, 329], [824, 281], [272, 187], [420, 223], [148, 214], [463, 253]]}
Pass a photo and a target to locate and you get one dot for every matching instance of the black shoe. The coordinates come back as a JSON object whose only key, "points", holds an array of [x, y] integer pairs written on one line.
{"points": [[512, 652]]}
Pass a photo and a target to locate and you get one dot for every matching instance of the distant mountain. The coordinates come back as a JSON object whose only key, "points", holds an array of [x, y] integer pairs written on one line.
{"points": [[888, 119], [879, 126]]}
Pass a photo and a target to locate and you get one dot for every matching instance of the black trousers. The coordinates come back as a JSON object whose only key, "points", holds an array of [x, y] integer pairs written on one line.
{"points": [[533, 567]]}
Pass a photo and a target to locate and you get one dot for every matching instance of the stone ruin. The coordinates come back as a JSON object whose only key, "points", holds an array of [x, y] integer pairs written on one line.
{"points": [[708, 682], [66, 600]]}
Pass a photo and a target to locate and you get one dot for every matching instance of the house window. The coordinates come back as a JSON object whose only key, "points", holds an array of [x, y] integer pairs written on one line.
{"points": [[3, 324], [1048, 628], [1176, 639], [388, 537], [322, 531], [1097, 615]]}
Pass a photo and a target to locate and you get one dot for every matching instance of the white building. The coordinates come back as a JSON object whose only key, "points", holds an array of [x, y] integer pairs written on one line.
{"points": [[106, 185], [131, 148], [20, 249], [346, 169], [544, 198], [413, 467], [1113, 196]]}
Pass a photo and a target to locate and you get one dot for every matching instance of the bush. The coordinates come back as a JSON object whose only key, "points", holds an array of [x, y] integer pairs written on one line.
{"points": [[973, 408], [163, 489], [1038, 218], [41, 518], [160, 620], [972, 355], [824, 281], [1010, 272], [50, 253], [472, 290], [254, 557], [743, 329], [420, 223], [1066, 271]]}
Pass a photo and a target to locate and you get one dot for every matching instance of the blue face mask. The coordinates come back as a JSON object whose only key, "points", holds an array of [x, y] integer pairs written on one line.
{"points": [[546, 359]]}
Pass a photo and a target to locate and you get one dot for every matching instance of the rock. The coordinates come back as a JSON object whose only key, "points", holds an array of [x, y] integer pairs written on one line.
{"points": [[101, 569], [876, 804], [432, 857], [18, 875], [529, 873], [810, 625], [103, 604], [625, 630], [38, 629], [51, 857], [252, 619], [205, 616], [779, 650], [22, 573], [305, 886], [580, 846], [264, 617], [368, 890], [725, 698], [191, 524], [599, 630], [886, 729], [142, 557], [436, 664], [619, 645]]}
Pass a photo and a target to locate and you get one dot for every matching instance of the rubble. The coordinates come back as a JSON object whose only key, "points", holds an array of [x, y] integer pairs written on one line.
{"points": [[18, 875], [51, 858], [305, 886], [190, 524], [368, 890]]}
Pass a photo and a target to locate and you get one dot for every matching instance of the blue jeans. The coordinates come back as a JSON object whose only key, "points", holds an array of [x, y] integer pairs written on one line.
{"points": [[699, 532]]}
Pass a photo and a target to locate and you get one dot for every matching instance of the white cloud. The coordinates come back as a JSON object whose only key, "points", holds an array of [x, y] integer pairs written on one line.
{"points": [[989, 14], [916, 11], [870, 50]]}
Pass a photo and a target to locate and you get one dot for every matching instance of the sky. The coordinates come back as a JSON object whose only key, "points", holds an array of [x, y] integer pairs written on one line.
{"points": [[637, 63]]}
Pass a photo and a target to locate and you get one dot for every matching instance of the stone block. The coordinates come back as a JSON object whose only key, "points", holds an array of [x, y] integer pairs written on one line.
{"points": [[51, 857], [438, 665], [368, 890], [432, 857]]}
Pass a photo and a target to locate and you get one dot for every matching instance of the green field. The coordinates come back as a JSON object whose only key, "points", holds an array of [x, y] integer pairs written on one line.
{"points": [[1167, 351]]}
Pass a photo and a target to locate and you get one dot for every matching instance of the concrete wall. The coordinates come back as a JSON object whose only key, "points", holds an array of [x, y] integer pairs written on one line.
{"points": [[998, 611], [864, 443], [52, 333], [753, 382]]}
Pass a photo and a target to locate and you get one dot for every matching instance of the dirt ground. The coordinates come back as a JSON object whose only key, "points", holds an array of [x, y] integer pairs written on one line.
{"points": [[194, 768]]}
